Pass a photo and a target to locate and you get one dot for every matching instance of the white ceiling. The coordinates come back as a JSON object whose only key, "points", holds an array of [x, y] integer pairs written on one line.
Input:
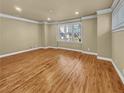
{"points": [[40, 10]]}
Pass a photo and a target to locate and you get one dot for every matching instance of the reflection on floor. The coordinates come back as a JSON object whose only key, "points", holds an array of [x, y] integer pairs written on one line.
{"points": [[57, 71]]}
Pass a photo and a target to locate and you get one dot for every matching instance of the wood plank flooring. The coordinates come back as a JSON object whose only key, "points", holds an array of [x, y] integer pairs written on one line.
{"points": [[57, 71]]}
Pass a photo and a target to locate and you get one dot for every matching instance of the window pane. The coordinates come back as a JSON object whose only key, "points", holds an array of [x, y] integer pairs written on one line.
{"points": [[62, 32], [70, 32], [76, 33]]}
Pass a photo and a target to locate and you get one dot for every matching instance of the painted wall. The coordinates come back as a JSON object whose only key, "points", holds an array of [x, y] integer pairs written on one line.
{"points": [[42, 30], [70, 45], [118, 49], [52, 35], [104, 35], [118, 36], [89, 36], [0, 35], [19, 35]]}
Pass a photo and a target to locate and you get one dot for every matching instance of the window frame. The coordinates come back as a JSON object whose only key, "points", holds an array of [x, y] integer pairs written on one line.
{"points": [[69, 41]]}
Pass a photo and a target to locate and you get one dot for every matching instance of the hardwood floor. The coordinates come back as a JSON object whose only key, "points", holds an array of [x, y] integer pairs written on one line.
{"points": [[57, 71]]}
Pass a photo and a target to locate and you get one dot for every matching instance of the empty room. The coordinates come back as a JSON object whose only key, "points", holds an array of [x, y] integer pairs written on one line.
{"points": [[61, 46]]}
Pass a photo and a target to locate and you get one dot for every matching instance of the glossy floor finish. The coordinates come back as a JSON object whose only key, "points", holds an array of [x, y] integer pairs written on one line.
{"points": [[57, 71]]}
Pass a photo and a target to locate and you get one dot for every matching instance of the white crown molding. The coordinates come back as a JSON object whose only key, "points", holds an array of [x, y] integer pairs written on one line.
{"points": [[58, 22], [115, 3], [45, 22], [80, 19], [52, 23], [74, 20], [88, 17], [104, 11], [68, 21], [18, 18]]}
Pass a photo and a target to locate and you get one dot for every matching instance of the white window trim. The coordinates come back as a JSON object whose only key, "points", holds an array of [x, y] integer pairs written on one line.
{"points": [[58, 38]]}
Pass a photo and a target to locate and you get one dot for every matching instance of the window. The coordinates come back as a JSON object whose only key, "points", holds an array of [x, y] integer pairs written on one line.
{"points": [[70, 32]]}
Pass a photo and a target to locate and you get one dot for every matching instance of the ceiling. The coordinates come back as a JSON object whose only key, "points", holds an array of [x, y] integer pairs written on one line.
{"points": [[40, 10]]}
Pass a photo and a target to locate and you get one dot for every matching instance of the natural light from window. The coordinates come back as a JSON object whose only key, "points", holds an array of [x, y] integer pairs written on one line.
{"points": [[70, 32]]}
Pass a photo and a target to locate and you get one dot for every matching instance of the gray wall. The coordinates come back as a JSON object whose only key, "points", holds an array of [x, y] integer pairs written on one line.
{"points": [[19, 35]]}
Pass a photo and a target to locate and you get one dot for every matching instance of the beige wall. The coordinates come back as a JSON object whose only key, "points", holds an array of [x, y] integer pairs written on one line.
{"points": [[52, 35], [70, 45], [19, 35], [118, 48], [104, 33], [89, 28], [0, 36], [42, 30], [89, 36], [118, 36]]}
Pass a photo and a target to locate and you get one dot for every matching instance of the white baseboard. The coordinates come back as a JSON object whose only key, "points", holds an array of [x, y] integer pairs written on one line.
{"points": [[115, 66], [90, 53], [85, 52], [104, 58], [14, 53], [118, 71]]}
